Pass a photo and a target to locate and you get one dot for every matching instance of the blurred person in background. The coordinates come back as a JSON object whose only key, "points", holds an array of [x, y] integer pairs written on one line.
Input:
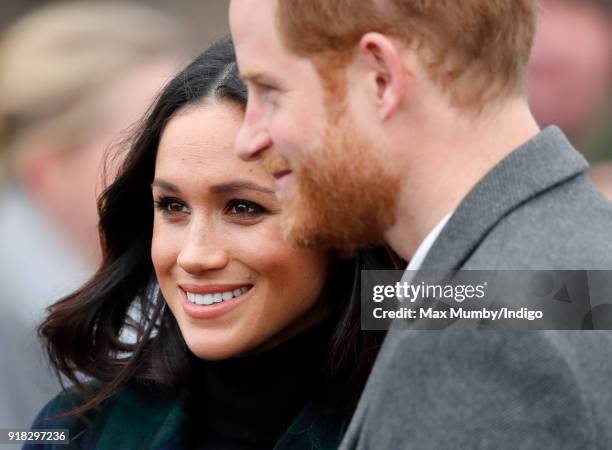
{"points": [[73, 76], [570, 78]]}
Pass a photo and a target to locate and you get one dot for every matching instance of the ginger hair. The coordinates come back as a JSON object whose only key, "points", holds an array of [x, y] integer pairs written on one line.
{"points": [[476, 49]]}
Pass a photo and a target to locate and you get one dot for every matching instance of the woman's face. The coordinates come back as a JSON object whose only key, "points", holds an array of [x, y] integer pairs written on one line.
{"points": [[231, 281]]}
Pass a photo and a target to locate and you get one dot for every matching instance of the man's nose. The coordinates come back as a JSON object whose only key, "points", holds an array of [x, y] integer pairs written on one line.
{"points": [[253, 138]]}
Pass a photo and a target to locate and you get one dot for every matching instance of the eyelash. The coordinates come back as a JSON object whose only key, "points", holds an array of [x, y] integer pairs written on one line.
{"points": [[164, 203], [254, 210]]}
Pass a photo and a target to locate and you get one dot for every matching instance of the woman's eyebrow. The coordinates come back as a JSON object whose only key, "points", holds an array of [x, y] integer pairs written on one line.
{"points": [[234, 186], [164, 185]]}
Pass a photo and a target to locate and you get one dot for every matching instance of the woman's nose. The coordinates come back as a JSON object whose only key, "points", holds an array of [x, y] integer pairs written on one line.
{"points": [[203, 251]]}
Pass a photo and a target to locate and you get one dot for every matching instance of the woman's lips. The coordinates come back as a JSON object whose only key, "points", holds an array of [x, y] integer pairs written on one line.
{"points": [[211, 302]]}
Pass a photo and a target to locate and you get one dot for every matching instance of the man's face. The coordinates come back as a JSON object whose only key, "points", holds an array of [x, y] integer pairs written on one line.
{"points": [[286, 100], [332, 177]]}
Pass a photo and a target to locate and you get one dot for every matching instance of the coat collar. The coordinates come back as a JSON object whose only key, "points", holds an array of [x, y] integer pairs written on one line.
{"points": [[133, 421], [543, 162]]}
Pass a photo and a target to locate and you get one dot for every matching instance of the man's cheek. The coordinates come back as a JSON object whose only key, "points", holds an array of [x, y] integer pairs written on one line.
{"points": [[295, 134]]}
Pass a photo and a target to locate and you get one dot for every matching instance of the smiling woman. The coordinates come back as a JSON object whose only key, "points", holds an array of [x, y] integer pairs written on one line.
{"points": [[231, 281], [241, 341]]}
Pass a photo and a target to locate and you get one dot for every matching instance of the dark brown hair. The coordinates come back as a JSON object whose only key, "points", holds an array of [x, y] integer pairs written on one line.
{"points": [[83, 332]]}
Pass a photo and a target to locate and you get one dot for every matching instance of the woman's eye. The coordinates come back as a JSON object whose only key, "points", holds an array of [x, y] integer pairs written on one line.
{"points": [[170, 206], [244, 208]]}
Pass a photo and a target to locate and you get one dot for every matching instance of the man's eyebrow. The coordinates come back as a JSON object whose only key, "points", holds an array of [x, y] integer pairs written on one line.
{"points": [[164, 185], [258, 77], [251, 76], [234, 186]]}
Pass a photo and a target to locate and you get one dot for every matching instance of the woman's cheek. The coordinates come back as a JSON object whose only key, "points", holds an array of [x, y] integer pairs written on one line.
{"points": [[260, 247], [164, 249]]}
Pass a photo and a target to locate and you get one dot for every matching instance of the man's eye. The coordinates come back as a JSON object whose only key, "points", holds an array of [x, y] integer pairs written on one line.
{"points": [[171, 206], [244, 208], [267, 92], [260, 85]]}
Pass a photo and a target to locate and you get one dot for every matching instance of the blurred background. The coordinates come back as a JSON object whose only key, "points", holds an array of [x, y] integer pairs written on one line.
{"points": [[75, 78], [570, 78]]}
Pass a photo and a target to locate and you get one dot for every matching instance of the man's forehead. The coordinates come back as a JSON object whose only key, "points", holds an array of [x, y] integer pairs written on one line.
{"points": [[250, 17], [258, 47]]}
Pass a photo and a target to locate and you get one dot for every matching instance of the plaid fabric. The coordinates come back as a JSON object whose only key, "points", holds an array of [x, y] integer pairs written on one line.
{"points": [[131, 421]]}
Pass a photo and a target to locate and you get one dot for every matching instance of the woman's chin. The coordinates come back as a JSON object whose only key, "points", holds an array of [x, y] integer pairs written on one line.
{"points": [[213, 351], [218, 349]]}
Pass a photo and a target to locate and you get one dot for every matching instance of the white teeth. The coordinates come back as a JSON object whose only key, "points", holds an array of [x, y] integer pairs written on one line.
{"points": [[209, 299]]}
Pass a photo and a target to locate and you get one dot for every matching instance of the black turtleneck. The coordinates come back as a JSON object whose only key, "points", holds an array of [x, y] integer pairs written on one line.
{"points": [[247, 403]]}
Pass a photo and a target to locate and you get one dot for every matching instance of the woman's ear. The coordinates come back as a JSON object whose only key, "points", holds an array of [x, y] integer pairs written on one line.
{"points": [[383, 61]]}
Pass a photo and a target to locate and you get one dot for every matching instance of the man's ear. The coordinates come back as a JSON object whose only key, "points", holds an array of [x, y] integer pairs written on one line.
{"points": [[382, 58]]}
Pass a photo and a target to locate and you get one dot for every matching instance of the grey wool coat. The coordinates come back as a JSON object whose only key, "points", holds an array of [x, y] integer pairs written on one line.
{"points": [[494, 389]]}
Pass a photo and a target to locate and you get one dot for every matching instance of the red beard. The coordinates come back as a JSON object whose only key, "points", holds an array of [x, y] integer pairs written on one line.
{"points": [[344, 193]]}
